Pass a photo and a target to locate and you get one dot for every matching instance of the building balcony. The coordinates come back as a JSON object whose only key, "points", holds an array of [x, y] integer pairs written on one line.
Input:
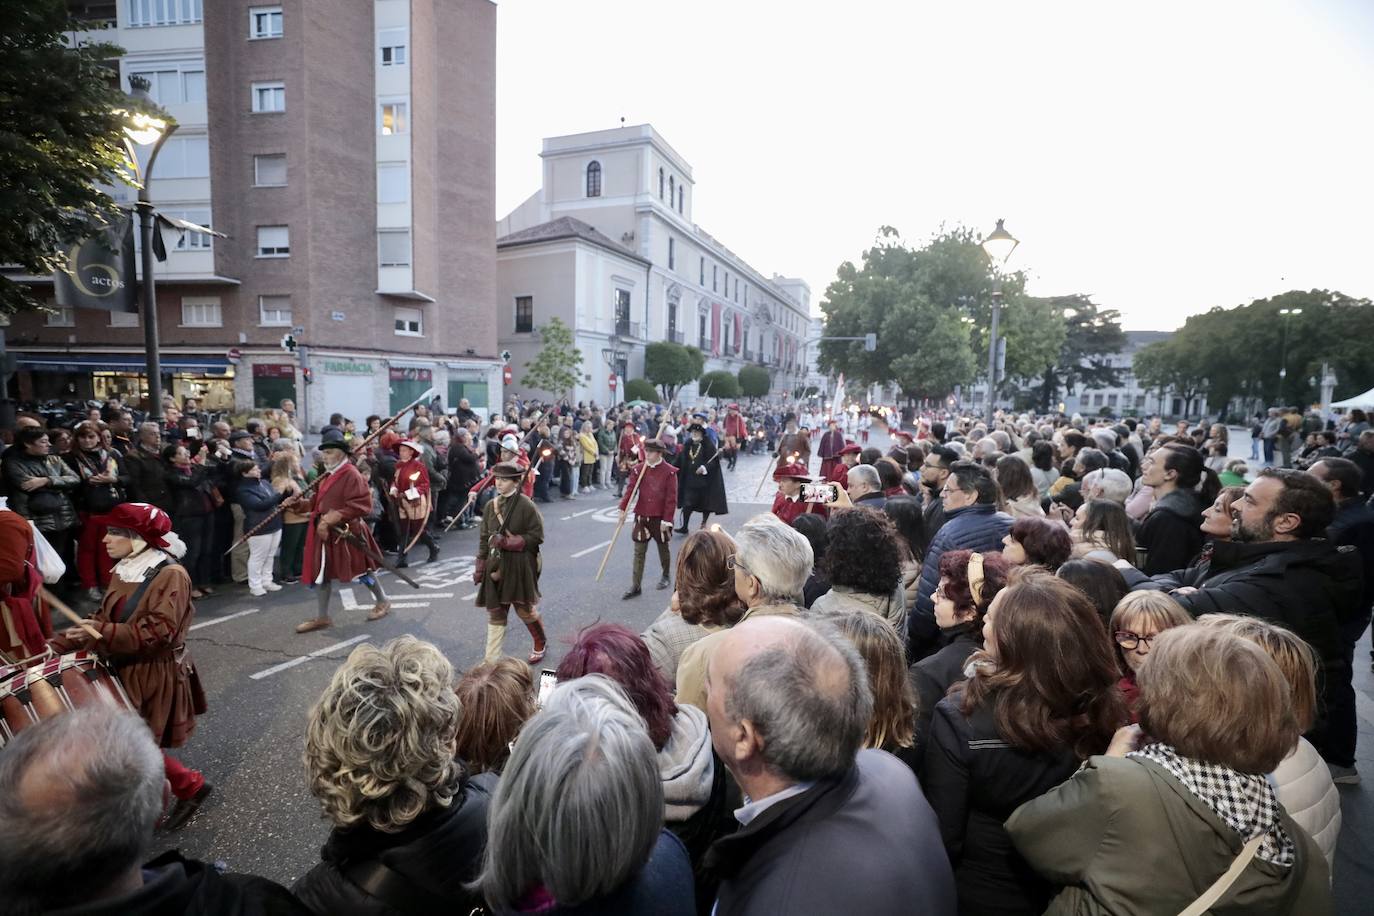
{"points": [[677, 337], [630, 329]]}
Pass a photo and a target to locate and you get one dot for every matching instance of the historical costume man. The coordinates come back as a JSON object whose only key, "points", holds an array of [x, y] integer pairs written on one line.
{"points": [[411, 496], [788, 504], [794, 446], [142, 620], [839, 471], [338, 545], [736, 432], [510, 450], [654, 508], [832, 440], [627, 454], [700, 483], [508, 561]]}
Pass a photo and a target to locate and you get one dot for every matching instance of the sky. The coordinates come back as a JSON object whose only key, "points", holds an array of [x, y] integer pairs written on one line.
{"points": [[1163, 157]]}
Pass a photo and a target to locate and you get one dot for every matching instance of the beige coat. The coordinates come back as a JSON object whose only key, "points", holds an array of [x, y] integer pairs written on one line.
{"points": [[691, 669]]}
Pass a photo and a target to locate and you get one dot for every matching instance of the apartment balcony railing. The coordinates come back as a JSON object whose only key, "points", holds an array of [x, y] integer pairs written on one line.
{"points": [[677, 337], [630, 329]]}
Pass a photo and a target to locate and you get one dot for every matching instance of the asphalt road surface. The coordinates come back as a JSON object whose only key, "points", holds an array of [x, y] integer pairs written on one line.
{"points": [[261, 677]]}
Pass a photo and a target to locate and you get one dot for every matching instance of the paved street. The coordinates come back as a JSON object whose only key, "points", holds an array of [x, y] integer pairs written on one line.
{"points": [[262, 678]]}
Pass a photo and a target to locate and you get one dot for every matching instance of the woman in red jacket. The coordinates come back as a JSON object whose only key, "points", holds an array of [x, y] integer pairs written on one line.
{"points": [[411, 497]]}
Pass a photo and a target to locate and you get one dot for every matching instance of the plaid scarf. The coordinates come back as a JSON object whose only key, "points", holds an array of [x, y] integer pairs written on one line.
{"points": [[1246, 803]]}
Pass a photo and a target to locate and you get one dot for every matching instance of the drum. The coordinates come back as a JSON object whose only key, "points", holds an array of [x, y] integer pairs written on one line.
{"points": [[49, 688]]}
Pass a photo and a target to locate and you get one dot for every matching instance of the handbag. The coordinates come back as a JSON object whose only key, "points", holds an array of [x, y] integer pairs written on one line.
{"points": [[49, 560], [1223, 884]]}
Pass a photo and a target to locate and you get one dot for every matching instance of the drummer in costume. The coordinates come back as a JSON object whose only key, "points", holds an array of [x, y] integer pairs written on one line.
{"points": [[832, 440], [410, 494], [848, 457], [654, 510], [340, 504], [700, 483], [508, 562], [142, 621], [736, 431], [24, 624], [788, 504]]}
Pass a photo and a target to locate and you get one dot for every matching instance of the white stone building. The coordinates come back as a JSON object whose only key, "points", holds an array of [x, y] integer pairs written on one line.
{"points": [[608, 244]]}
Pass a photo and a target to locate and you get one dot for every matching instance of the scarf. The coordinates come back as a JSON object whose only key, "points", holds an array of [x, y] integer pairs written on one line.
{"points": [[1245, 802]]}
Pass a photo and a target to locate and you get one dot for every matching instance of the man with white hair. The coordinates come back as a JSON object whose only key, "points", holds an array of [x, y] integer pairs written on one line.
{"points": [[825, 827], [80, 794], [866, 487], [1107, 483], [771, 563]]}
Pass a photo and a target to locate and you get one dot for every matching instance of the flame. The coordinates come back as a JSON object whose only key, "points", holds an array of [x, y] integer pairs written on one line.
{"points": [[415, 476], [546, 453], [794, 456], [716, 528]]}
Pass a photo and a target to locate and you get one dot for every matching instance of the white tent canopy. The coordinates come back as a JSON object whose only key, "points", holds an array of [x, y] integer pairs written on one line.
{"points": [[1363, 401]]}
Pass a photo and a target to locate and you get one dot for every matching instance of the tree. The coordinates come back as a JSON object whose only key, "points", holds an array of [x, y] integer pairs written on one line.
{"points": [[555, 368], [1091, 335], [670, 366], [61, 136], [719, 385], [1171, 366], [638, 389], [754, 382]]}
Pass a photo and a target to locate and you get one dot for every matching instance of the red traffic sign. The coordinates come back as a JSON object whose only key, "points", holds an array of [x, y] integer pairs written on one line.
{"points": [[233, 354], [507, 375], [612, 381]]}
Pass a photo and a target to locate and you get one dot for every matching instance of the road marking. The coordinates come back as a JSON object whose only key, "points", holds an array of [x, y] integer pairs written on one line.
{"points": [[348, 601], [580, 514], [470, 597], [300, 660], [592, 549], [397, 605], [214, 620]]}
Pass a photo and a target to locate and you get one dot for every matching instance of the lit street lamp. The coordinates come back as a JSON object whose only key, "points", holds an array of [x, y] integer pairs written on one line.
{"points": [[999, 245], [1283, 357], [143, 129]]}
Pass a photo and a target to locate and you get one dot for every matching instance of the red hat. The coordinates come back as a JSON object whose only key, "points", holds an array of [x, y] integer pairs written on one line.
{"points": [[903, 433], [791, 471], [389, 440], [851, 449], [147, 521], [732, 407]]}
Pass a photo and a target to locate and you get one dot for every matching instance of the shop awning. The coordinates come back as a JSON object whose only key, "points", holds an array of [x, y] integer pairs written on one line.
{"points": [[122, 362]]}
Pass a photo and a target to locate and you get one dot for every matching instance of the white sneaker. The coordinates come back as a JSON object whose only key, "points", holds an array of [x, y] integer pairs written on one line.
{"points": [[256, 592], [272, 587]]}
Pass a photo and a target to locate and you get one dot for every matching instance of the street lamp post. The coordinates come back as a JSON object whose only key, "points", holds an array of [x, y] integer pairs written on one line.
{"points": [[999, 245], [142, 130], [613, 356], [1283, 354]]}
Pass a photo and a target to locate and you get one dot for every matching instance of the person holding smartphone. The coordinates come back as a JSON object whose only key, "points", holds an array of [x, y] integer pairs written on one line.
{"points": [[790, 502]]}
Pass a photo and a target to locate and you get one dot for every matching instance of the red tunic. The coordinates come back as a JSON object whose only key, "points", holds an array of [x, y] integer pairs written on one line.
{"points": [[788, 509], [345, 494], [839, 474], [628, 449], [657, 492], [735, 426]]}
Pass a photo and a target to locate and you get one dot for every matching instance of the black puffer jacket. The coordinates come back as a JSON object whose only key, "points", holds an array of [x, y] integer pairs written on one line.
{"points": [[49, 507], [432, 859], [190, 491], [1171, 533], [99, 498]]}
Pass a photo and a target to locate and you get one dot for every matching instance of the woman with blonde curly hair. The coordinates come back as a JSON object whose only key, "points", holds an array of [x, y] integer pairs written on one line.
{"points": [[409, 824], [893, 725]]}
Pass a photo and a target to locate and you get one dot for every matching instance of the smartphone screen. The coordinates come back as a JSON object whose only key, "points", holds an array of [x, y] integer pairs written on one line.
{"points": [[819, 493], [547, 681]]}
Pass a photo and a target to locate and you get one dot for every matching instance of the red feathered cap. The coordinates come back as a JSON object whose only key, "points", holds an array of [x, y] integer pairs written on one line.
{"points": [[147, 521]]}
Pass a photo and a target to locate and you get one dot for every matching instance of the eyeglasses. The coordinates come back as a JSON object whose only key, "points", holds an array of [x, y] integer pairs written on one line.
{"points": [[1128, 640], [732, 562]]}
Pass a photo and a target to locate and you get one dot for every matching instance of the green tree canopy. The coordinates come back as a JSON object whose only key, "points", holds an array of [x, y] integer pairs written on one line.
{"points": [[62, 118], [555, 368], [638, 389], [1091, 335], [719, 385], [670, 366], [754, 382]]}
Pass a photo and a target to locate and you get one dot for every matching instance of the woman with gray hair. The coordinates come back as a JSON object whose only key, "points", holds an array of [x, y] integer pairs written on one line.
{"points": [[409, 825], [576, 823]]}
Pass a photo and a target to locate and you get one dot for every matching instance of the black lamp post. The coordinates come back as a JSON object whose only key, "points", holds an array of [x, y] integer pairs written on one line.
{"points": [[999, 246]]}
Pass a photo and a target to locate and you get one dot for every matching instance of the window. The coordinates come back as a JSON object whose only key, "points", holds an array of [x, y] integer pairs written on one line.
{"points": [[393, 248], [274, 242], [269, 97], [672, 191], [701, 331], [394, 118], [143, 13], [524, 314], [184, 157], [274, 311], [393, 47], [264, 22], [672, 258], [409, 322], [60, 317], [660, 184], [622, 312], [192, 241], [701, 278], [124, 319], [393, 183], [174, 83], [594, 179], [681, 195], [727, 283], [1111, 400], [672, 322], [737, 289], [715, 276], [269, 170], [200, 312]]}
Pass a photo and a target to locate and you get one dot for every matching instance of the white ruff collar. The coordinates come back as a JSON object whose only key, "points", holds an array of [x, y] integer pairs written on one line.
{"points": [[134, 567]]}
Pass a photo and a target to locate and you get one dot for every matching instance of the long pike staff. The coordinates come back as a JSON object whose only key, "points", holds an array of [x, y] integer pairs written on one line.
{"points": [[544, 452], [629, 504], [391, 421], [790, 458]]}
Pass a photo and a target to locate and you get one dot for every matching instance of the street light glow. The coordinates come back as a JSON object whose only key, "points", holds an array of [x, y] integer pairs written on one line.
{"points": [[143, 129], [1000, 244]]}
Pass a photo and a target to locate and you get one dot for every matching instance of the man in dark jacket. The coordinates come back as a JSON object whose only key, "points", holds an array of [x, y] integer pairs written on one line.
{"points": [[77, 831], [826, 828], [147, 481], [1280, 568], [972, 522], [934, 472]]}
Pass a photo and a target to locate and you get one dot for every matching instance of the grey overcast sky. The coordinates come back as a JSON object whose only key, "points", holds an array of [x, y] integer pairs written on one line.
{"points": [[1164, 157]]}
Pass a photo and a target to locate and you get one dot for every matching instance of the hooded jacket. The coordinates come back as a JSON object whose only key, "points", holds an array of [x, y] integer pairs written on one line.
{"points": [[1171, 532], [978, 527], [686, 766]]}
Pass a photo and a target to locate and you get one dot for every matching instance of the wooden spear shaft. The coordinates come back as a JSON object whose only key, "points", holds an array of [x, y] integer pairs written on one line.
{"points": [[628, 505]]}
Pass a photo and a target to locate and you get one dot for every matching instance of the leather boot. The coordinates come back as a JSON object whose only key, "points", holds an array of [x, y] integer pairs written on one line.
{"points": [[536, 628], [496, 636]]}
